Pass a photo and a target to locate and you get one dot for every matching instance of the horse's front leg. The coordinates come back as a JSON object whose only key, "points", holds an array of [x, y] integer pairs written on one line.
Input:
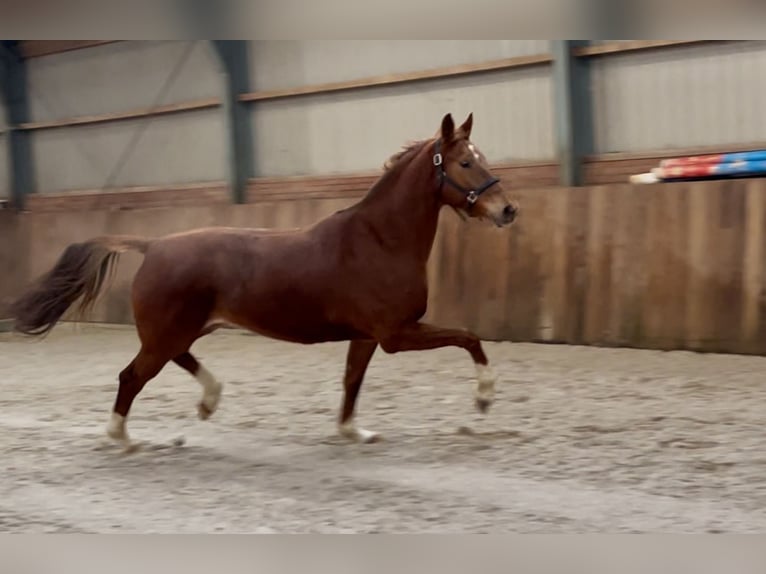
{"points": [[359, 355], [422, 336]]}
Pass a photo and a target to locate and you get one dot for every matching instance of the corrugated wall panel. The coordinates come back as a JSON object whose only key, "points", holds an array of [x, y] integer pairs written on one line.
{"points": [[680, 97], [118, 77], [359, 130], [178, 148], [288, 63]]}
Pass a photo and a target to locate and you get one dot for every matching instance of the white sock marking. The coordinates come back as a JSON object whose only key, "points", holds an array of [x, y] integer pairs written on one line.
{"points": [[116, 427], [117, 430], [211, 392], [349, 430], [485, 385]]}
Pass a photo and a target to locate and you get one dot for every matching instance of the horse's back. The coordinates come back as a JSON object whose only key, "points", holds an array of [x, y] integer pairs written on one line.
{"points": [[263, 279], [208, 233]]}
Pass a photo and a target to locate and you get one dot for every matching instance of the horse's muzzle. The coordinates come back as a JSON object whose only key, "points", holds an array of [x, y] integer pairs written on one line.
{"points": [[509, 213], [506, 216]]}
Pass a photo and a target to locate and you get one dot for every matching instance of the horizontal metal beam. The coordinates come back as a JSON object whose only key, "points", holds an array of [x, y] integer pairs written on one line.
{"points": [[626, 46], [517, 62], [165, 109], [39, 48]]}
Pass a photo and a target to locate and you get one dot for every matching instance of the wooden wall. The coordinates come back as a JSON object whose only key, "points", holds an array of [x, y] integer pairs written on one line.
{"points": [[668, 266]]}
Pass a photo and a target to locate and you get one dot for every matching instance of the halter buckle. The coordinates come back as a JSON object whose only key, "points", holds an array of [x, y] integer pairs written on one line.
{"points": [[437, 159], [472, 198]]}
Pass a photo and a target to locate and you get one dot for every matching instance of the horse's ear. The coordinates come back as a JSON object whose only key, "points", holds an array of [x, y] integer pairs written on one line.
{"points": [[448, 129], [465, 129]]}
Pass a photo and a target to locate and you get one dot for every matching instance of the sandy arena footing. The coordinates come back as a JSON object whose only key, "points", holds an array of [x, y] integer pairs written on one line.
{"points": [[579, 440]]}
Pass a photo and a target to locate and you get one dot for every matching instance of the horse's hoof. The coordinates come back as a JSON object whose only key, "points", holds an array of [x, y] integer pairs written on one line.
{"points": [[482, 405], [121, 438], [115, 435], [203, 411], [131, 448], [363, 436], [368, 437]]}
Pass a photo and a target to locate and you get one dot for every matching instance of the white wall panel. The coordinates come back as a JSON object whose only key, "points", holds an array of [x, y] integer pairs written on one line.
{"points": [[359, 130], [701, 95], [118, 77], [277, 64], [178, 148]]}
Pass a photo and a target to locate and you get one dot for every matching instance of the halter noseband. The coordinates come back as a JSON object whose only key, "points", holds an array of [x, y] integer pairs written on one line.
{"points": [[471, 195]]}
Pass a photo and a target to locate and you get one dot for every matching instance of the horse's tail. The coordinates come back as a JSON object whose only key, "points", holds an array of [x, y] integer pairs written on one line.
{"points": [[80, 272]]}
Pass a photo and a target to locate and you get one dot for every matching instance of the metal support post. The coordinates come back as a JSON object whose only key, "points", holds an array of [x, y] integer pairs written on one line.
{"points": [[233, 55], [573, 110]]}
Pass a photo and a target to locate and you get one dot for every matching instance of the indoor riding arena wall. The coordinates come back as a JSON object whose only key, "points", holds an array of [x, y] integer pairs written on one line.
{"points": [[130, 137], [668, 266]]}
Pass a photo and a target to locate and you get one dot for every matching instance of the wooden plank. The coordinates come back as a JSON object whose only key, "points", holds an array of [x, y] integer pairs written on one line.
{"points": [[435, 271], [652, 303], [554, 305], [623, 46], [576, 278], [128, 198], [199, 104], [728, 255], [38, 48], [663, 305], [754, 270], [352, 186], [716, 244], [400, 78], [700, 266], [600, 249], [676, 271], [445, 288], [472, 293], [14, 257], [445, 275], [186, 187], [627, 272], [521, 256]]}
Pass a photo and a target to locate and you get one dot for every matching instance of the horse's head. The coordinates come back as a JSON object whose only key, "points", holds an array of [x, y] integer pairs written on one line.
{"points": [[465, 182]]}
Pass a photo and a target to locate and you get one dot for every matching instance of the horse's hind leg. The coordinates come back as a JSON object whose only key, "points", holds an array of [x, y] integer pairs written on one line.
{"points": [[141, 370], [211, 388], [359, 355]]}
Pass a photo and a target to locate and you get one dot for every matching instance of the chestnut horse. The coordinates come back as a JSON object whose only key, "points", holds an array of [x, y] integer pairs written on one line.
{"points": [[357, 275]]}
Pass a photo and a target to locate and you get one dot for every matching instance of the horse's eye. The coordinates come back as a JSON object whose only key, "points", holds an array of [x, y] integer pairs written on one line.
{"points": [[465, 163]]}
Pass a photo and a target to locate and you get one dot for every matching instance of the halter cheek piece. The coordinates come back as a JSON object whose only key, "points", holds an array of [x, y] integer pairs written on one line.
{"points": [[471, 195]]}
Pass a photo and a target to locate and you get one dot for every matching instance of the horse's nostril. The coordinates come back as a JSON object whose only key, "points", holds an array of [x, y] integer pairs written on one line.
{"points": [[509, 212]]}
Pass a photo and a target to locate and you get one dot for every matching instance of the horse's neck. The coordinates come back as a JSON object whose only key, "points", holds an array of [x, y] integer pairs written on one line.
{"points": [[404, 212]]}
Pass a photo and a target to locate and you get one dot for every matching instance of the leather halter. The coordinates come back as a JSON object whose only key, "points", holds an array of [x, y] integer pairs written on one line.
{"points": [[471, 195]]}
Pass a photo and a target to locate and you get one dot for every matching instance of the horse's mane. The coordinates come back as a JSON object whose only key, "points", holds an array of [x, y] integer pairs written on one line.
{"points": [[410, 146], [393, 166]]}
